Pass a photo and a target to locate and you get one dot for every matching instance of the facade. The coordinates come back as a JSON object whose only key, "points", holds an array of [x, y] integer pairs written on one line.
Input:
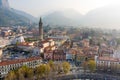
{"points": [[1, 54], [19, 39], [104, 51], [48, 55], [70, 54], [48, 45], [108, 64], [59, 55], [6, 66], [116, 54], [79, 58], [26, 46], [59, 40]]}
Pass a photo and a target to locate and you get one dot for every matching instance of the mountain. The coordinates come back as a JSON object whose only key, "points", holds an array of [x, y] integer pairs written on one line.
{"points": [[30, 17], [10, 16], [104, 17], [107, 17], [4, 4], [64, 17]]}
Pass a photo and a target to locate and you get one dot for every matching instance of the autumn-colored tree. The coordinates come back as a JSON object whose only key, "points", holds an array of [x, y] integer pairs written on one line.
{"points": [[47, 69], [91, 65], [11, 76], [66, 67], [42, 70], [27, 73], [52, 65], [58, 68], [20, 74]]}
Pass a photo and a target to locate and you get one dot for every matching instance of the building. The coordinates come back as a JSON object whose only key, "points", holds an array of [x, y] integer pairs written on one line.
{"points": [[59, 40], [59, 55], [84, 43], [26, 46], [18, 39], [105, 51], [80, 58], [1, 52], [47, 44], [70, 54], [6, 66], [40, 30], [108, 64], [116, 53], [48, 55]]}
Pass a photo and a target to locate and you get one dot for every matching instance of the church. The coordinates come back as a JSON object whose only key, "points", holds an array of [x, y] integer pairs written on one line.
{"points": [[43, 45]]}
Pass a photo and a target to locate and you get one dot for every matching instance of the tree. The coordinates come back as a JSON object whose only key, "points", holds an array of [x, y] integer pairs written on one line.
{"points": [[27, 73], [58, 68], [42, 70], [47, 69], [52, 65], [91, 65], [66, 67], [19, 75], [11, 76]]}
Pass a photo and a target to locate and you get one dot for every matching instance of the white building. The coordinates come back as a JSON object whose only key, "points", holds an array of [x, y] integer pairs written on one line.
{"points": [[6, 66], [18, 39], [108, 64]]}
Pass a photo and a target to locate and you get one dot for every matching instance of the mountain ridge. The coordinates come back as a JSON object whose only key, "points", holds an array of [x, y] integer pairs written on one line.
{"points": [[13, 17], [108, 17]]}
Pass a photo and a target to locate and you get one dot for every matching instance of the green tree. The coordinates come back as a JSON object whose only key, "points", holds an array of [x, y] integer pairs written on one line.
{"points": [[66, 67], [91, 65]]}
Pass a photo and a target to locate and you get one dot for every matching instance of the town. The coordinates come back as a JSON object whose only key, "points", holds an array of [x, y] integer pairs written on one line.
{"points": [[83, 50]]}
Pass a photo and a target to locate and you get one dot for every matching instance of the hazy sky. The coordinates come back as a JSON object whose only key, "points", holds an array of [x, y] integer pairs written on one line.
{"points": [[40, 7]]}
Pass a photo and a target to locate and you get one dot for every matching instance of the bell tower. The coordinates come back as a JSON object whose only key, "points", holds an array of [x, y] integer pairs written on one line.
{"points": [[40, 30]]}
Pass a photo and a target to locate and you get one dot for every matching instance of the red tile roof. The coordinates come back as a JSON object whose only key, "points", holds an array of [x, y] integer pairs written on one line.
{"points": [[9, 62], [108, 59]]}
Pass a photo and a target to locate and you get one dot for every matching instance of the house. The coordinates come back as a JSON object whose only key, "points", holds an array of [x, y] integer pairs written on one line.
{"points": [[106, 51], [18, 39], [70, 54], [59, 55], [26, 46], [47, 45], [48, 55]]}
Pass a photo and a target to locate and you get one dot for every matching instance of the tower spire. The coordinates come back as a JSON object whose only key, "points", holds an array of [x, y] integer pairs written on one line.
{"points": [[40, 30], [40, 22]]}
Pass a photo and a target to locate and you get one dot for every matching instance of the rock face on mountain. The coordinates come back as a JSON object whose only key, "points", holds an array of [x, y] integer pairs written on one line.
{"points": [[11, 17]]}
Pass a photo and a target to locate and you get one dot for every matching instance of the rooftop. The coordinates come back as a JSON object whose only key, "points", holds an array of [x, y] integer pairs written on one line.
{"points": [[9, 62]]}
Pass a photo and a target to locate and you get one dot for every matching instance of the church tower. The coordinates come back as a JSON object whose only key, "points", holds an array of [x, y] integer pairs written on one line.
{"points": [[40, 30]]}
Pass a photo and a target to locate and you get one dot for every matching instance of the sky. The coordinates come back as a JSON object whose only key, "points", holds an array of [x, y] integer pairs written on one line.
{"points": [[41, 7]]}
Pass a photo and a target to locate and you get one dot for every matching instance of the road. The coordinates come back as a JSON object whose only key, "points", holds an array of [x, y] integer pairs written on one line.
{"points": [[91, 76]]}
